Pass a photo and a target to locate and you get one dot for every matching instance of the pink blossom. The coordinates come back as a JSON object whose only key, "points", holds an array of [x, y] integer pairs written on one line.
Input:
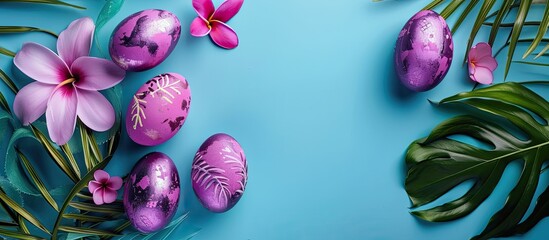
{"points": [[104, 187], [67, 83], [213, 22], [481, 63]]}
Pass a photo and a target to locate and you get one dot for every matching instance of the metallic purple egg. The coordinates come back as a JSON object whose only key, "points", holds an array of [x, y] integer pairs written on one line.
{"points": [[151, 192], [144, 39], [219, 173], [423, 52]]}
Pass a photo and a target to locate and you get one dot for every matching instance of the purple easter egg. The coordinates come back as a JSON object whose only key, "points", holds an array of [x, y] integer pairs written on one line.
{"points": [[144, 39], [219, 173], [423, 52], [151, 192], [158, 109]]}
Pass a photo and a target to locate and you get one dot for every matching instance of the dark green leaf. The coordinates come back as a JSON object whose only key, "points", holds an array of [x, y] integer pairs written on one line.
{"points": [[451, 8], [13, 168], [433, 4], [437, 164], [53, 2], [4, 103], [23, 29], [85, 218], [464, 14]]}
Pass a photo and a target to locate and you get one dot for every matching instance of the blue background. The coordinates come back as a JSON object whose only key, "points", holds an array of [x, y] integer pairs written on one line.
{"points": [[311, 95]]}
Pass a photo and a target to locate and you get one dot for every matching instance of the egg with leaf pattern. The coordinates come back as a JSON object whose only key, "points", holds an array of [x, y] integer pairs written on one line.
{"points": [[219, 173], [424, 51], [158, 109]]}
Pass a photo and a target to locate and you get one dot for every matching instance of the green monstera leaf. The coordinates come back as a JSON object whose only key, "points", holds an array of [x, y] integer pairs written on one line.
{"points": [[513, 122]]}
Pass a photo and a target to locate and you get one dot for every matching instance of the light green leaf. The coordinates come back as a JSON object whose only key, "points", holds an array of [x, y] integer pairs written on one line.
{"points": [[21, 211], [109, 10], [437, 164], [37, 181], [18, 235]]}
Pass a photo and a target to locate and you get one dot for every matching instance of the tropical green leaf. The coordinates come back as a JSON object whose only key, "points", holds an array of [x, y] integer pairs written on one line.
{"points": [[109, 10], [76, 189], [18, 235], [22, 225], [37, 181], [72, 161], [438, 163], [23, 29], [74, 236], [21, 211], [464, 14], [53, 2], [13, 193], [6, 127], [7, 80]]}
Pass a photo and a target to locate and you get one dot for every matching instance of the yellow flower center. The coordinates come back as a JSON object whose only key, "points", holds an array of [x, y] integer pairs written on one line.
{"points": [[67, 81]]}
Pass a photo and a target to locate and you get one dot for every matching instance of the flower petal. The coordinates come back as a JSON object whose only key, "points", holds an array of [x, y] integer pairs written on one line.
{"points": [[482, 75], [93, 185], [96, 73], [204, 8], [76, 40], [98, 196], [227, 10], [109, 195], [31, 101], [223, 35], [61, 114], [101, 176], [41, 64], [479, 51], [115, 183], [199, 27], [95, 110], [487, 62]]}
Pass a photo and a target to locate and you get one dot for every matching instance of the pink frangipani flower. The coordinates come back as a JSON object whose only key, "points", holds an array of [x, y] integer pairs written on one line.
{"points": [[213, 22], [67, 84], [104, 187], [481, 63]]}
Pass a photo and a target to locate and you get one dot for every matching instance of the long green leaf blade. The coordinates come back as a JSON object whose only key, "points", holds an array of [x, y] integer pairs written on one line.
{"points": [[484, 10], [24, 29], [37, 181], [504, 10], [18, 235], [21, 211], [84, 230], [53, 2], [515, 33], [541, 32], [7, 80]]}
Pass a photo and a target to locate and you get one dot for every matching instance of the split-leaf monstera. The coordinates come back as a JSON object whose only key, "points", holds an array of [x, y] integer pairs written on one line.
{"points": [[514, 125]]}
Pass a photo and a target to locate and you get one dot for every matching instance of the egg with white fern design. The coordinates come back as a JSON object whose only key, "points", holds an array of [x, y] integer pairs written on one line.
{"points": [[219, 173], [158, 109]]}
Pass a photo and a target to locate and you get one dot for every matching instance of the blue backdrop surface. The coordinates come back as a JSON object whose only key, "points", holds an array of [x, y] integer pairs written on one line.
{"points": [[311, 95]]}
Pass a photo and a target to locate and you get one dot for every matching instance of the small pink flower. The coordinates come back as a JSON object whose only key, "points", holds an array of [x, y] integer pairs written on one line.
{"points": [[67, 84], [213, 22], [104, 187], [481, 63]]}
